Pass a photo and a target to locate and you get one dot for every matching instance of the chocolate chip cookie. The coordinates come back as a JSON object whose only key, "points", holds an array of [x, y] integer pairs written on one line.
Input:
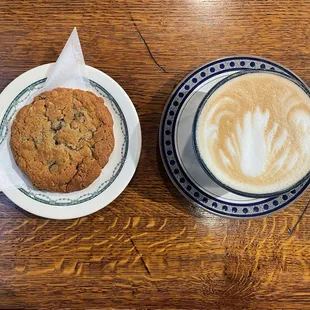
{"points": [[63, 139]]}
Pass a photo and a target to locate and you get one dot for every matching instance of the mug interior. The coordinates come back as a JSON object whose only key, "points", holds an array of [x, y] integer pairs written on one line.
{"points": [[195, 129]]}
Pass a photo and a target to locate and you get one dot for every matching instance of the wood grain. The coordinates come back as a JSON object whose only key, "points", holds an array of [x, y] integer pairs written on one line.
{"points": [[150, 248]]}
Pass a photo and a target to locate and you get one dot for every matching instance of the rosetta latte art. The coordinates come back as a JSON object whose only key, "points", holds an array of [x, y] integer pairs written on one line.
{"points": [[254, 133]]}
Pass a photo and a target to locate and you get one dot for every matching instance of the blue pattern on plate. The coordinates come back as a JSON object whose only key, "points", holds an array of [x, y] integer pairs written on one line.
{"points": [[168, 149]]}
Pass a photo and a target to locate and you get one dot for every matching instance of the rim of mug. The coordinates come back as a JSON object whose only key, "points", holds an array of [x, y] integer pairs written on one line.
{"points": [[299, 83]]}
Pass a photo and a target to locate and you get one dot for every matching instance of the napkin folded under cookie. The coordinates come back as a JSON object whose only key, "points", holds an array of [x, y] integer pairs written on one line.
{"points": [[69, 71]]}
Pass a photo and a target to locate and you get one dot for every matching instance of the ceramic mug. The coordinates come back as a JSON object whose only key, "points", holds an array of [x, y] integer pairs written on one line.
{"points": [[197, 147]]}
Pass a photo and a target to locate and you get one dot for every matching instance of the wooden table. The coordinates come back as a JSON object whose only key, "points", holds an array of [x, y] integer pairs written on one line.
{"points": [[150, 248]]}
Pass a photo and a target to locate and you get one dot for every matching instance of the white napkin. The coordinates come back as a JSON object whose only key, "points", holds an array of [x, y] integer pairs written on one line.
{"points": [[70, 70]]}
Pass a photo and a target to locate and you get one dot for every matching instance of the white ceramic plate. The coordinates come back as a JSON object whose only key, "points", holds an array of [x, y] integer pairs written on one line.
{"points": [[116, 174]]}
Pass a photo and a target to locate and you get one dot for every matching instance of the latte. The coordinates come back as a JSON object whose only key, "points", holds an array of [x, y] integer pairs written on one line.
{"points": [[253, 133]]}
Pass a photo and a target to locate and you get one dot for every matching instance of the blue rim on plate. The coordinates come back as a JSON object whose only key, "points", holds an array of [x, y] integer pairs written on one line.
{"points": [[172, 162], [43, 196], [196, 119]]}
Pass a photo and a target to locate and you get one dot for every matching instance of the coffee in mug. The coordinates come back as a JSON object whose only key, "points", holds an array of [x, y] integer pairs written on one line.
{"points": [[252, 133]]}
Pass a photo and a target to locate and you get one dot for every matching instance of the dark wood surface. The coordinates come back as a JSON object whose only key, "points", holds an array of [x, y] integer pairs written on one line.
{"points": [[150, 248]]}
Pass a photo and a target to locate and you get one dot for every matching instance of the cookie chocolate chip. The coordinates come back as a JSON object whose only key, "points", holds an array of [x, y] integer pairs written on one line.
{"points": [[63, 139]]}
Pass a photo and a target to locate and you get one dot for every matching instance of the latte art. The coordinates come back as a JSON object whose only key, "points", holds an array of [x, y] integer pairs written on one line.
{"points": [[254, 133]]}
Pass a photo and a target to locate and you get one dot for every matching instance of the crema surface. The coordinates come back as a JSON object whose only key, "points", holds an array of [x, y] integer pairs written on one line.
{"points": [[254, 133]]}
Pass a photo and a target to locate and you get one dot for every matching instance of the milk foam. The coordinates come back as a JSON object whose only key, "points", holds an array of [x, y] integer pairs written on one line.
{"points": [[254, 133]]}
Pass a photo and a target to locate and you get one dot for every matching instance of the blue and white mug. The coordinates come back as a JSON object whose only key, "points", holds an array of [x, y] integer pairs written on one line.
{"points": [[251, 133]]}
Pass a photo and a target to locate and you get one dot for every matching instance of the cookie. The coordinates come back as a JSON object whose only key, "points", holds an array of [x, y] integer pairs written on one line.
{"points": [[63, 139]]}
